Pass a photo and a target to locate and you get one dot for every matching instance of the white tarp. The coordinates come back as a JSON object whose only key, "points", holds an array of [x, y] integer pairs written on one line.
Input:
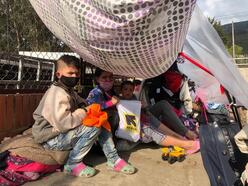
{"points": [[204, 45], [135, 38]]}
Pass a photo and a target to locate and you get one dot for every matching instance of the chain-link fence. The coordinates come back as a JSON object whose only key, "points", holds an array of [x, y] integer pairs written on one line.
{"points": [[22, 38], [28, 51], [22, 30], [20, 72]]}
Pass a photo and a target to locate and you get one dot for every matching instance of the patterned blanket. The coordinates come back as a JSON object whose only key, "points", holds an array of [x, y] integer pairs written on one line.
{"points": [[135, 38], [24, 146]]}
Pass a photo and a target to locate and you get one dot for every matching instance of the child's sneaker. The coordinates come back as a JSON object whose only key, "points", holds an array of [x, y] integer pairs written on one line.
{"points": [[80, 169], [121, 166]]}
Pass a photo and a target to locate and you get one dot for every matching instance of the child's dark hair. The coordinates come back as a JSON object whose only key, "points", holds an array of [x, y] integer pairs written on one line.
{"points": [[69, 60], [98, 72], [137, 82], [127, 83]]}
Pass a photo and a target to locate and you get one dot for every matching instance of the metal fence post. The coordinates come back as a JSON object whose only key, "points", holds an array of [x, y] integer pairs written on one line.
{"points": [[53, 72], [38, 71], [20, 70]]}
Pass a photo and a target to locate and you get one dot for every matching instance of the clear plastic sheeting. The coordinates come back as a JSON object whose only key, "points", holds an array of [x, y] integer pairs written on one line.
{"points": [[135, 38], [204, 45]]}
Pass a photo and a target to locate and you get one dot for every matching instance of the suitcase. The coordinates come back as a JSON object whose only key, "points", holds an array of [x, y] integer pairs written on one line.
{"points": [[221, 157]]}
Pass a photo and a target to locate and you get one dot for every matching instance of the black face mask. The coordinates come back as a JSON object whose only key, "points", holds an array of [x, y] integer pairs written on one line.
{"points": [[70, 82]]}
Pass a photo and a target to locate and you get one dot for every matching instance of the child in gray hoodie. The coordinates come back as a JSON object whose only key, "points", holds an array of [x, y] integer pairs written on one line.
{"points": [[58, 123]]}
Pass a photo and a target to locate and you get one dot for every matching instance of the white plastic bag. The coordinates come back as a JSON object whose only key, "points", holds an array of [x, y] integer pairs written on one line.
{"points": [[129, 125]]}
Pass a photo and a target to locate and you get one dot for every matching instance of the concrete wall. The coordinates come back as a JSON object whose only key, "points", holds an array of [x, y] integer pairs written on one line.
{"points": [[242, 111], [244, 72]]}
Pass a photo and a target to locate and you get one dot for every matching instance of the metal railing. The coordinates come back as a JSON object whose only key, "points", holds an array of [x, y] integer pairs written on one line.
{"points": [[20, 72], [22, 30], [241, 62]]}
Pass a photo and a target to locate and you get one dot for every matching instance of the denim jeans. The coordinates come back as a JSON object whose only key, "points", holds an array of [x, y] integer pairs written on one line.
{"points": [[108, 146], [79, 141]]}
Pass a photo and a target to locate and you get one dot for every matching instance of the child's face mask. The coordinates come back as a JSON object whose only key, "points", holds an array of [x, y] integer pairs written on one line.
{"points": [[68, 75], [70, 82], [106, 81], [106, 85]]}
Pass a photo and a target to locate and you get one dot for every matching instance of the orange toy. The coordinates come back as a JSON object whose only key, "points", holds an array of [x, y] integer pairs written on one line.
{"points": [[96, 118]]}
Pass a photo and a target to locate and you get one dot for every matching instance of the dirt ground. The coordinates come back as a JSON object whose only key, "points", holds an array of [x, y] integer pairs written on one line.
{"points": [[152, 171]]}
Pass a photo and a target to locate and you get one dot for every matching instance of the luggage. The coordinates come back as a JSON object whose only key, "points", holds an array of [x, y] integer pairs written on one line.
{"points": [[221, 157]]}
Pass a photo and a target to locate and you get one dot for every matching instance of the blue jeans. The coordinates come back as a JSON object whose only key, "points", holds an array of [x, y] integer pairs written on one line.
{"points": [[108, 146], [80, 140]]}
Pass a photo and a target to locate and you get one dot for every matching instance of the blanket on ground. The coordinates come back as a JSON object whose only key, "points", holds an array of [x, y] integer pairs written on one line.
{"points": [[25, 146]]}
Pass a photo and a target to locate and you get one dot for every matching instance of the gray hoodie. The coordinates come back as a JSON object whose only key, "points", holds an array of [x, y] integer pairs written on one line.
{"points": [[57, 112]]}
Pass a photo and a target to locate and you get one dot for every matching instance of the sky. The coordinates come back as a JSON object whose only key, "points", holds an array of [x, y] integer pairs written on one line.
{"points": [[225, 11]]}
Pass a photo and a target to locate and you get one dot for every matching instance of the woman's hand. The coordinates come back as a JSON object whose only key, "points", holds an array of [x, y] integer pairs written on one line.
{"points": [[115, 100]]}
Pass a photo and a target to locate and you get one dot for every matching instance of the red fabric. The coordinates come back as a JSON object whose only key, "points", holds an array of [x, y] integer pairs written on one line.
{"points": [[195, 63], [11, 178], [32, 167], [178, 112], [13, 174], [222, 89], [173, 81]]}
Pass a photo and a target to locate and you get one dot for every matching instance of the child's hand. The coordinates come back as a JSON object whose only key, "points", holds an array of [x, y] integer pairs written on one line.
{"points": [[87, 108], [115, 100]]}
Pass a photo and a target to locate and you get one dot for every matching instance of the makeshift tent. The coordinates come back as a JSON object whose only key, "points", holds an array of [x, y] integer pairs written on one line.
{"points": [[138, 38], [204, 46], [141, 38]]}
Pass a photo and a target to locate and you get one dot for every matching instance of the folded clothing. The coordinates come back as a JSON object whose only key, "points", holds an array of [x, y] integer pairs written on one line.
{"points": [[96, 118], [20, 170], [25, 146]]}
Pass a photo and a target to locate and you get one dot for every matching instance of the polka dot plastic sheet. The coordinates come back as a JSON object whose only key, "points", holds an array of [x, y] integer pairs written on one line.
{"points": [[135, 38]]}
